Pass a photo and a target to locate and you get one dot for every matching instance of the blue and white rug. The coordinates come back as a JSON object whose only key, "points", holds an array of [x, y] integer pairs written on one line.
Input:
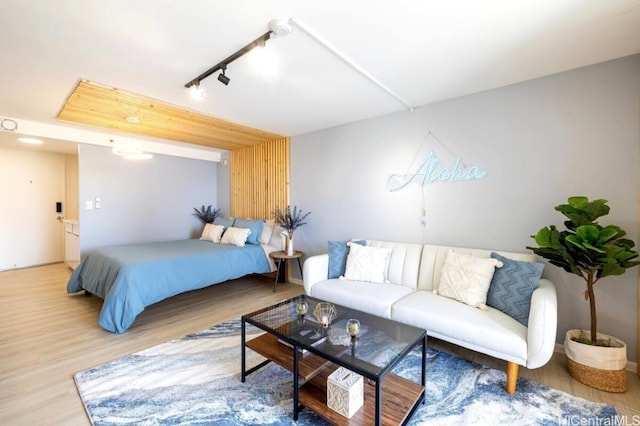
{"points": [[195, 380]]}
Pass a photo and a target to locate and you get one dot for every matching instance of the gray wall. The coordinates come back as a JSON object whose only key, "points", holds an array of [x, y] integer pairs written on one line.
{"points": [[541, 141], [142, 201]]}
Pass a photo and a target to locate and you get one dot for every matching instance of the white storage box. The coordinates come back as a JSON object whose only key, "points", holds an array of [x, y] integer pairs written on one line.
{"points": [[345, 392]]}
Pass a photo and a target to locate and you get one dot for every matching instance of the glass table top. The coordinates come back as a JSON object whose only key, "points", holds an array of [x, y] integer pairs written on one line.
{"points": [[373, 351]]}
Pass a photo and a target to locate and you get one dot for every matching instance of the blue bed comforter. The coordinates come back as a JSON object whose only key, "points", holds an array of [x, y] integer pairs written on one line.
{"points": [[132, 277]]}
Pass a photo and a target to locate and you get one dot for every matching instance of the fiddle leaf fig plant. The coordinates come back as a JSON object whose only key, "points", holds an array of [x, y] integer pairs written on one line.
{"points": [[586, 248]]}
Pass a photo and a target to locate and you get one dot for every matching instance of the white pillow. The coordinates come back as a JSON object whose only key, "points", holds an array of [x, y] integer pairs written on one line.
{"points": [[267, 231], [276, 238], [212, 232], [236, 236], [467, 278], [366, 263]]}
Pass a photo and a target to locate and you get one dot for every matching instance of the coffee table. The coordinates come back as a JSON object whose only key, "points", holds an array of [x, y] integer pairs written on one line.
{"points": [[300, 344]]}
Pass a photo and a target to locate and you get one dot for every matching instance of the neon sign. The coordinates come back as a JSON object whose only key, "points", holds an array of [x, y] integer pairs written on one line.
{"points": [[429, 171]]}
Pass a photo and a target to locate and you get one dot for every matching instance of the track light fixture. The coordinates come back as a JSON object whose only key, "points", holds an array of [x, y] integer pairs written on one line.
{"points": [[222, 65], [282, 27], [222, 77]]}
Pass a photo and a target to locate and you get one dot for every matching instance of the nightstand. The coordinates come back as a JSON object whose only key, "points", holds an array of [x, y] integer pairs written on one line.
{"points": [[280, 258]]}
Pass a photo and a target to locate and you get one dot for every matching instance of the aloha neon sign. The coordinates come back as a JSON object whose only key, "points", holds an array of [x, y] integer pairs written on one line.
{"points": [[429, 171]]}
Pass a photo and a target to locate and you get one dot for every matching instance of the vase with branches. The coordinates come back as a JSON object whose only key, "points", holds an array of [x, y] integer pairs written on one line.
{"points": [[291, 219]]}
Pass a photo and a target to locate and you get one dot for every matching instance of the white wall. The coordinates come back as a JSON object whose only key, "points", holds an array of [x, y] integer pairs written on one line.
{"points": [[30, 185], [142, 201], [574, 133]]}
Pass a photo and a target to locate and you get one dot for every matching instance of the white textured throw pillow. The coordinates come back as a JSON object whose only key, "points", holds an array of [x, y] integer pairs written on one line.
{"points": [[267, 231], [212, 232], [236, 236], [467, 278], [365, 263]]}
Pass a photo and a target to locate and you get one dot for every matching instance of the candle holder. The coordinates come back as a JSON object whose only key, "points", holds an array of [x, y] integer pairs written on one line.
{"points": [[302, 307], [353, 327], [324, 313]]}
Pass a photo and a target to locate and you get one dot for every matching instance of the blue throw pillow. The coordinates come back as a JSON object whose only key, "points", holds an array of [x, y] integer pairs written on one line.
{"points": [[338, 252], [254, 225], [227, 222], [512, 286]]}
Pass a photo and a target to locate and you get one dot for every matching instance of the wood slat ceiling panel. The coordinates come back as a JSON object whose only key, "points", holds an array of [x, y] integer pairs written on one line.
{"points": [[107, 107]]}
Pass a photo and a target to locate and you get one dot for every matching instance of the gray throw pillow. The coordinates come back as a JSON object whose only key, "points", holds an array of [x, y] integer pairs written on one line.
{"points": [[338, 252], [512, 286]]}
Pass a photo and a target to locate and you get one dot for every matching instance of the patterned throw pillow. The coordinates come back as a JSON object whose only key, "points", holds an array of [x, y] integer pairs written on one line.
{"points": [[212, 232], [512, 286], [338, 252], [235, 236], [467, 278], [366, 263]]}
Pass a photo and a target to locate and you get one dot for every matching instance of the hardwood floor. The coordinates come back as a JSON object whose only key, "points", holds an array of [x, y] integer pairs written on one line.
{"points": [[47, 335]]}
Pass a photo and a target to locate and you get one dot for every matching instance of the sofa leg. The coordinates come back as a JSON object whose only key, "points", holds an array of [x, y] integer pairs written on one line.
{"points": [[512, 377]]}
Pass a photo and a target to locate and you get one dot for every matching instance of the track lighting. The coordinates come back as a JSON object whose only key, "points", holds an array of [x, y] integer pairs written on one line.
{"points": [[281, 27], [222, 77], [222, 65]]}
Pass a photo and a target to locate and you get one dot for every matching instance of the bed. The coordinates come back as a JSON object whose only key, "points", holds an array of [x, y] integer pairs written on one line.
{"points": [[132, 277]]}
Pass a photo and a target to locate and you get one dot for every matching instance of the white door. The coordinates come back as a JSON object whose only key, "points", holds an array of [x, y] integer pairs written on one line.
{"points": [[31, 183]]}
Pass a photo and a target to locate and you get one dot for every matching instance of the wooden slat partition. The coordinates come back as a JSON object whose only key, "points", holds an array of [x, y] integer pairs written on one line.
{"points": [[260, 179]]}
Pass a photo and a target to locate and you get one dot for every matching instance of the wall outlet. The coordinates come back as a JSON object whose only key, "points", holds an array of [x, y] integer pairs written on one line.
{"points": [[98, 203], [423, 222]]}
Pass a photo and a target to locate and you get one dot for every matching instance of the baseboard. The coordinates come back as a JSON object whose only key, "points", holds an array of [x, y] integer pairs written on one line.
{"points": [[631, 366], [296, 281]]}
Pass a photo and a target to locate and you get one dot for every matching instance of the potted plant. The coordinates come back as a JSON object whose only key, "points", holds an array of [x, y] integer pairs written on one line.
{"points": [[290, 220], [592, 252], [206, 214]]}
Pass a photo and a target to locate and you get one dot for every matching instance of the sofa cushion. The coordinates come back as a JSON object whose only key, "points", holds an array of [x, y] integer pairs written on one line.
{"points": [[512, 286], [433, 256], [404, 263], [373, 298], [367, 263], [467, 278], [338, 252], [491, 331]]}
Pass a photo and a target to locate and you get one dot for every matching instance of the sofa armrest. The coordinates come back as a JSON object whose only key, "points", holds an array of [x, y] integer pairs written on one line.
{"points": [[315, 269], [543, 322]]}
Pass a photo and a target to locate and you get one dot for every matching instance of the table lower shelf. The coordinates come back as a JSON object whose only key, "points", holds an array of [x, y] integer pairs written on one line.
{"points": [[399, 396], [268, 346]]}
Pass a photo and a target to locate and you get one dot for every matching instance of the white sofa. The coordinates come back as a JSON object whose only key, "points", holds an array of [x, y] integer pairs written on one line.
{"points": [[413, 273]]}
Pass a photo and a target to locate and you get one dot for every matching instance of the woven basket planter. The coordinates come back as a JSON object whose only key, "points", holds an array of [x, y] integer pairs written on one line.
{"points": [[599, 367]]}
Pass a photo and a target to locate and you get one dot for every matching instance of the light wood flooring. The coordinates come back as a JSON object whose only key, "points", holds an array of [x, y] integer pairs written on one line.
{"points": [[47, 335]]}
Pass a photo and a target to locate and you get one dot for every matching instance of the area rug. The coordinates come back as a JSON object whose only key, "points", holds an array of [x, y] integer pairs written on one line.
{"points": [[195, 380]]}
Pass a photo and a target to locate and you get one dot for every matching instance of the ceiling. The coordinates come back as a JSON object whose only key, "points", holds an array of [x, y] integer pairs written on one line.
{"points": [[423, 51]]}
